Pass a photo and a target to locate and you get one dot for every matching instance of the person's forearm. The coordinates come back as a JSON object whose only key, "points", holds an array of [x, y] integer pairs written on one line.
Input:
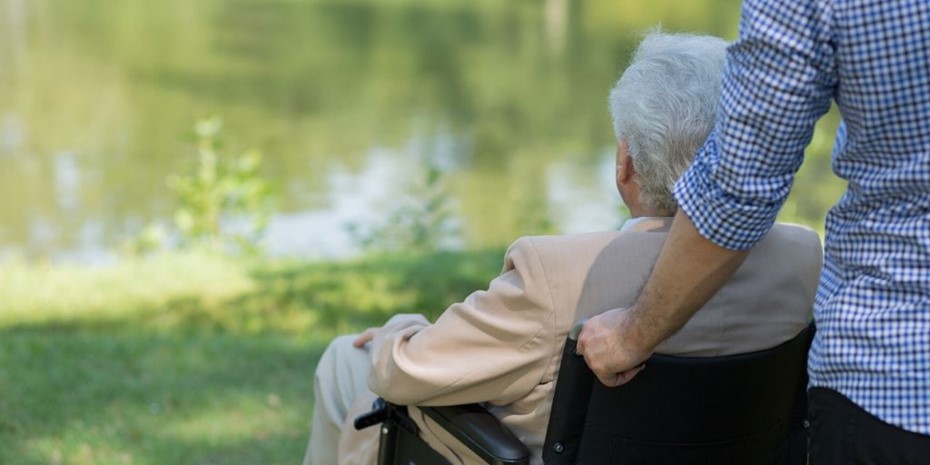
{"points": [[689, 271]]}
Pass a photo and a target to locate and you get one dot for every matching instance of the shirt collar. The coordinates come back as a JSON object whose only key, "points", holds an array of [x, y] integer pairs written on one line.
{"points": [[646, 223]]}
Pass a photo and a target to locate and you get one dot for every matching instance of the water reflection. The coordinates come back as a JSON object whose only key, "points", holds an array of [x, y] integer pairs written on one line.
{"points": [[352, 198], [582, 199], [344, 99]]}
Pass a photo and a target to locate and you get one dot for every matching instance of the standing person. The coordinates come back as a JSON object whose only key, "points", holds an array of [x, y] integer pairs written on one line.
{"points": [[870, 361]]}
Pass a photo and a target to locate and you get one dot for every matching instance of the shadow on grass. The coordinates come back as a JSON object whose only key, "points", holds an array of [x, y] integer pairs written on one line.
{"points": [[204, 380]]}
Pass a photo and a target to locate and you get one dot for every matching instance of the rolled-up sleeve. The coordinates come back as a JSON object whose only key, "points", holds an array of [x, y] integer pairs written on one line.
{"points": [[778, 81]]}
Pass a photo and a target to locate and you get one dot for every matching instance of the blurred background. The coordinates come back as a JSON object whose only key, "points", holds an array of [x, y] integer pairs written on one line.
{"points": [[347, 100], [196, 195]]}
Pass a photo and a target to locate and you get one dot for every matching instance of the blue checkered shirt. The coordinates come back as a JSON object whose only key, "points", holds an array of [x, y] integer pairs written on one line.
{"points": [[873, 58]]}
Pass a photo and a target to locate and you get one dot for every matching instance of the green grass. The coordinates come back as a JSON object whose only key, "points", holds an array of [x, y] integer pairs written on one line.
{"points": [[191, 359]]}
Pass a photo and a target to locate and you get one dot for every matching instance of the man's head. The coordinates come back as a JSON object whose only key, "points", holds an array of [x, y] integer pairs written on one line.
{"points": [[663, 109]]}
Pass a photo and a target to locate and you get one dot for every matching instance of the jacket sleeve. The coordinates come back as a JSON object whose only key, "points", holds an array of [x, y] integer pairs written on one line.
{"points": [[493, 347]]}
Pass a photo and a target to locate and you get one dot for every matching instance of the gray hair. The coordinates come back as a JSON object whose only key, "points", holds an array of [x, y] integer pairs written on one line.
{"points": [[664, 107]]}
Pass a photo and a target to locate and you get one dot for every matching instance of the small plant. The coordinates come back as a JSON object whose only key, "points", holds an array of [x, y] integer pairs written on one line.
{"points": [[225, 202]]}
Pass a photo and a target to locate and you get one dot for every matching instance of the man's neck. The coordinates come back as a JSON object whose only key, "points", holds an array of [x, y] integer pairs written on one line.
{"points": [[638, 211]]}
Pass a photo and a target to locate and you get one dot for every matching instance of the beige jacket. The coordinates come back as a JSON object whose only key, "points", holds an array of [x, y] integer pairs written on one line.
{"points": [[503, 346]]}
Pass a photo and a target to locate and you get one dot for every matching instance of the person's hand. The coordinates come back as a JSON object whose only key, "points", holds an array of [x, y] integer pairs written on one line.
{"points": [[399, 321], [364, 338], [607, 342]]}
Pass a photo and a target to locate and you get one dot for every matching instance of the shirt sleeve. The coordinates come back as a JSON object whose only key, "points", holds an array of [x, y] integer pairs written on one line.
{"points": [[778, 80], [494, 347]]}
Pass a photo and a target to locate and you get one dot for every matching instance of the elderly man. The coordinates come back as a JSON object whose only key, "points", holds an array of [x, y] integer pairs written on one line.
{"points": [[502, 346]]}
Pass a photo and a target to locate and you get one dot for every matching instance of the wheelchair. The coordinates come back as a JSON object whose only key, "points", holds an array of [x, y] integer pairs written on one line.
{"points": [[743, 409]]}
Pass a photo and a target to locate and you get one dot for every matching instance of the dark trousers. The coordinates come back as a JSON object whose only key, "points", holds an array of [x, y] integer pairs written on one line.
{"points": [[843, 433]]}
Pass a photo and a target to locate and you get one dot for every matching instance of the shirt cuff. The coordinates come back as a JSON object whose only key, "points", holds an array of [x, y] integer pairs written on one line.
{"points": [[723, 219]]}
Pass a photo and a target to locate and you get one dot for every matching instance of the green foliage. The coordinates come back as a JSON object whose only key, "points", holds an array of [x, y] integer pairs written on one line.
{"points": [[421, 220], [152, 238], [223, 204], [226, 202], [191, 292], [36, 294]]}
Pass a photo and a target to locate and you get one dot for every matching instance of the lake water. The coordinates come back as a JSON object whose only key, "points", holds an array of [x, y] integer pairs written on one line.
{"points": [[349, 102]]}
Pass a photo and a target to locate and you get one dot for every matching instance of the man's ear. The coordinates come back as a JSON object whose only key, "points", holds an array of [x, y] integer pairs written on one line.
{"points": [[625, 170]]}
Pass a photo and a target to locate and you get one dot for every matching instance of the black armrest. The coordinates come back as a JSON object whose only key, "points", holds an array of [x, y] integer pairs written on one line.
{"points": [[482, 432]]}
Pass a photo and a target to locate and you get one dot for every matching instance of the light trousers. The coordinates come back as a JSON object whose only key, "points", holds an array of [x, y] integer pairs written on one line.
{"points": [[341, 377]]}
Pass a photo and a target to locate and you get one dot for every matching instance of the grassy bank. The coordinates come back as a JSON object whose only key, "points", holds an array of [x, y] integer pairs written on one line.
{"points": [[191, 359]]}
